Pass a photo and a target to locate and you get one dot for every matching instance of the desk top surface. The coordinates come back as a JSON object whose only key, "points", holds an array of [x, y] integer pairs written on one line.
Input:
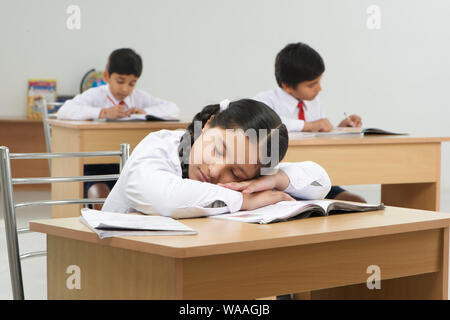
{"points": [[341, 139], [357, 139], [118, 125], [216, 236], [19, 120]]}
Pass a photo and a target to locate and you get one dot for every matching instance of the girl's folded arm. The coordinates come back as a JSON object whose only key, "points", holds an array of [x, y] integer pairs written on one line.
{"points": [[151, 188], [308, 180]]}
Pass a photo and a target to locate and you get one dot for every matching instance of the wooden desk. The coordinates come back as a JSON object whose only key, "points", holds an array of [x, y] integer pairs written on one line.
{"points": [[22, 135], [328, 256], [407, 167], [79, 136]]}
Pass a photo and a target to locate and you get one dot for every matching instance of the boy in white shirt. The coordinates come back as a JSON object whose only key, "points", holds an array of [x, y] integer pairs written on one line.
{"points": [[117, 99], [298, 71]]}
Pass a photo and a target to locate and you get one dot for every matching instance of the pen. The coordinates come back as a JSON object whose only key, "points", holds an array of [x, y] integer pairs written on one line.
{"points": [[348, 118]]}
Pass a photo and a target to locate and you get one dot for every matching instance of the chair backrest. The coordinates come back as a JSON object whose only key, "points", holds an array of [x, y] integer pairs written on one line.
{"points": [[7, 182], [42, 104]]}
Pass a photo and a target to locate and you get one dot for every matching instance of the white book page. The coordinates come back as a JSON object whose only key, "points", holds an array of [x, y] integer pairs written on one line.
{"points": [[278, 211], [301, 135], [191, 212], [341, 130], [111, 220], [134, 116]]}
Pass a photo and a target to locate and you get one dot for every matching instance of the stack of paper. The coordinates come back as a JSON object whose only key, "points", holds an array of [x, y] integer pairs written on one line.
{"points": [[109, 224]]}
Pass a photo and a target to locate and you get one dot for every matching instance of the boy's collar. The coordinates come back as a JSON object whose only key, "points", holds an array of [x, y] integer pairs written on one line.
{"points": [[110, 95], [127, 100], [291, 101]]}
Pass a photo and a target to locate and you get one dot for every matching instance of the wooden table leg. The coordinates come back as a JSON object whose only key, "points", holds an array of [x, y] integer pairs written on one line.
{"points": [[67, 190], [302, 296], [108, 273], [429, 286], [421, 287], [424, 196]]}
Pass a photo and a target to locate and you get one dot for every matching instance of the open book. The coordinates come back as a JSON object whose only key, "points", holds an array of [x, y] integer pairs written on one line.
{"points": [[110, 224], [138, 117], [132, 117], [286, 210], [362, 131]]}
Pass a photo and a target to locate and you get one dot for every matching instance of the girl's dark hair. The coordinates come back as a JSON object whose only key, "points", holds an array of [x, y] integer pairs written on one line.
{"points": [[125, 61], [241, 114], [297, 62]]}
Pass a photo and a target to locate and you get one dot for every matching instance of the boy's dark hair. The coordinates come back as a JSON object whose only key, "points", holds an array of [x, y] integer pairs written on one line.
{"points": [[241, 114], [297, 62], [124, 61]]}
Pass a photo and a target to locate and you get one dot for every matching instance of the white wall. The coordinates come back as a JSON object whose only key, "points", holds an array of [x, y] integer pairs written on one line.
{"points": [[197, 52]]}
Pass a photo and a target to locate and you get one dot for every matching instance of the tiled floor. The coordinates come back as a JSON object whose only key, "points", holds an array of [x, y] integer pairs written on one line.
{"points": [[34, 269]]}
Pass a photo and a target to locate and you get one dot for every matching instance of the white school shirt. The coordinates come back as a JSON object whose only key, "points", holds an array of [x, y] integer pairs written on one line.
{"points": [[151, 182], [87, 105], [286, 106]]}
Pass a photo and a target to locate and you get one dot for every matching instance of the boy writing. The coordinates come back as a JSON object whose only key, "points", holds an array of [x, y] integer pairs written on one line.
{"points": [[298, 72], [117, 99]]}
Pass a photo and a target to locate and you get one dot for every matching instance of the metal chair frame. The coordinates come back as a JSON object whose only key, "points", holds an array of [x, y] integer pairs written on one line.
{"points": [[7, 183], [42, 104]]}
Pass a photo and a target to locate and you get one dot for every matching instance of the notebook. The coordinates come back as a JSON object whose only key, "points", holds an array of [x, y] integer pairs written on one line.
{"points": [[111, 224], [301, 135], [285, 210], [132, 117], [138, 117], [362, 131]]}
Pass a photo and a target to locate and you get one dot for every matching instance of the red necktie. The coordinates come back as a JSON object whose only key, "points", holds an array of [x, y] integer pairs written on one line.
{"points": [[301, 111], [121, 103]]}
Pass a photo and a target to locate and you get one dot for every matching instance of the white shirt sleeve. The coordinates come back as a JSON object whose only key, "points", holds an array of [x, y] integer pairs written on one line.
{"points": [[151, 187], [81, 107], [292, 124], [308, 180], [158, 107]]}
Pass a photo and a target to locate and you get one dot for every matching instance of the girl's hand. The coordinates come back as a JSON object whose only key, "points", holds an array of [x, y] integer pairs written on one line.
{"points": [[279, 181], [260, 199]]}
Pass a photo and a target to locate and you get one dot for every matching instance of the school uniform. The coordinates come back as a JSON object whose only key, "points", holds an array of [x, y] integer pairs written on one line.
{"points": [[288, 109], [151, 182], [87, 105]]}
